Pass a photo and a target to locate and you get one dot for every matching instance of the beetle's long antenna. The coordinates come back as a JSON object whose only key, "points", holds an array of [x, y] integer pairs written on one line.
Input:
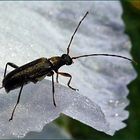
{"points": [[102, 54], [68, 49]]}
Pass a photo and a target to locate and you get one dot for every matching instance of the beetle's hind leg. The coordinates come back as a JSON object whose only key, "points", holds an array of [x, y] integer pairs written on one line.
{"points": [[67, 75], [57, 77], [16, 103], [10, 64]]}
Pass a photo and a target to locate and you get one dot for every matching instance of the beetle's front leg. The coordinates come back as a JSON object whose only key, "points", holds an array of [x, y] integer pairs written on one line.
{"points": [[67, 75]]}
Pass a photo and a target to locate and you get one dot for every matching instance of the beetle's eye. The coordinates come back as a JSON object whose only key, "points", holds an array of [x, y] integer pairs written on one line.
{"points": [[64, 56]]}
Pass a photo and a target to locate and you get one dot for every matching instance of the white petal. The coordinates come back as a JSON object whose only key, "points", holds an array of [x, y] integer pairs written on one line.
{"points": [[44, 29], [89, 113], [36, 109]]}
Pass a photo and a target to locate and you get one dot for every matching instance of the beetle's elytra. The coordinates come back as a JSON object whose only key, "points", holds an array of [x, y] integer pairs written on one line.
{"points": [[38, 69]]}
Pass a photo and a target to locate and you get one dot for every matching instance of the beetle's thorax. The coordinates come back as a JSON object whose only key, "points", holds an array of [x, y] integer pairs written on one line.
{"points": [[58, 61]]}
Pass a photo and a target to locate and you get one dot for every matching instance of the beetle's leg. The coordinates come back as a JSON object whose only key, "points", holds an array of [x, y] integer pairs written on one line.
{"points": [[53, 90], [16, 103], [10, 64], [51, 73], [67, 75], [57, 77]]}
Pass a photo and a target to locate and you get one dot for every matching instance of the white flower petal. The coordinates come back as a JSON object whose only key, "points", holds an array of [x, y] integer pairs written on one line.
{"points": [[44, 29], [36, 109], [89, 113]]}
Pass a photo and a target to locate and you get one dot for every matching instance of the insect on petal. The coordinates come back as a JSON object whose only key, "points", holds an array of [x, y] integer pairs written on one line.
{"points": [[43, 29]]}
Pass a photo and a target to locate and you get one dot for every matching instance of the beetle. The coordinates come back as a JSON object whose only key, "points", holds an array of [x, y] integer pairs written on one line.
{"points": [[38, 69]]}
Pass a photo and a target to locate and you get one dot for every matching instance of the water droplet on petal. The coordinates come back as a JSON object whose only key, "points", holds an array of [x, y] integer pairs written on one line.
{"points": [[116, 114], [113, 103], [87, 100]]}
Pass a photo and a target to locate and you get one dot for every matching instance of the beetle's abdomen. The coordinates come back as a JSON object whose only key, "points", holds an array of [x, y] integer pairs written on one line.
{"points": [[30, 72]]}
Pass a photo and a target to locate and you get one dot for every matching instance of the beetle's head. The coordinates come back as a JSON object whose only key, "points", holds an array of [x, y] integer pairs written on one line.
{"points": [[67, 59]]}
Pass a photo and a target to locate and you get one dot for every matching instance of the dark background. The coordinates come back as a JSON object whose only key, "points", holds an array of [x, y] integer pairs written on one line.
{"points": [[131, 18]]}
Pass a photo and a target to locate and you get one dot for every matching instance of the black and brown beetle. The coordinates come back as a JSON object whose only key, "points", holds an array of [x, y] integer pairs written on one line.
{"points": [[38, 69]]}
